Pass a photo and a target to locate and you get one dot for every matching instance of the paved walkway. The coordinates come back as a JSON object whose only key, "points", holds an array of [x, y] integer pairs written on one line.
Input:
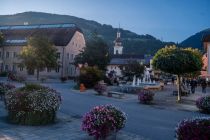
{"points": [[156, 121], [66, 128]]}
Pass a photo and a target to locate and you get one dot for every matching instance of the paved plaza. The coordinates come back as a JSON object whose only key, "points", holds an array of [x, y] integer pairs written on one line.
{"points": [[150, 122]]}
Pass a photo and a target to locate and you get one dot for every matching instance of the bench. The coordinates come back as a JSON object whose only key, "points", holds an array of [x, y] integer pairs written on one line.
{"points": [[120, 94]]}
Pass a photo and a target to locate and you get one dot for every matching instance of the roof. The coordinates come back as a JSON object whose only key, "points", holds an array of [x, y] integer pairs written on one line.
{"points": [[121, 61], [206, 38], [58, 34], [128, 56]]}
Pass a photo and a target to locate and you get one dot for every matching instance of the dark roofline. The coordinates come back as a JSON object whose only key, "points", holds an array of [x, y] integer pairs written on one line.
{"points": [[35, 26]]}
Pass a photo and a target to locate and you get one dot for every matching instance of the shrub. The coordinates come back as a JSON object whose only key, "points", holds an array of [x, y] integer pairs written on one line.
{"points": [[193, 129], [32, 105], [63, 79], [100, 88], [203, 103], [145, 96], [103, 120], [3, 74], [89, 76]]}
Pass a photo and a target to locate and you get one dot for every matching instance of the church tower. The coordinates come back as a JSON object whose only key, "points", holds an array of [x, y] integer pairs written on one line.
{"points": [[118, 48]]}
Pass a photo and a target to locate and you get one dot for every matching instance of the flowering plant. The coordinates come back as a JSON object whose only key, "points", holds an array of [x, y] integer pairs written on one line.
{"points": [[5, 88], [103, 120], [193, 129], [100, 88], [203, 103], [145, 96], [32, 104]]}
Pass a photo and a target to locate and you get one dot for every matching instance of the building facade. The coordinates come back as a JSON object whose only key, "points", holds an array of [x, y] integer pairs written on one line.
{"points": [[120, 59], [206, 42], [67, 38]]}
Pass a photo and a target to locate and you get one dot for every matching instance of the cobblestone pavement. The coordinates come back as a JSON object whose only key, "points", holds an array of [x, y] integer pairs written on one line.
{"points": [[66, 128]]}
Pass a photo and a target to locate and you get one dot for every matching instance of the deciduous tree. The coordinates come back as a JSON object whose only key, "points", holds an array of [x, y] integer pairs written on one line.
{"points": [[39, 54], [96, 53], [177, 61]]}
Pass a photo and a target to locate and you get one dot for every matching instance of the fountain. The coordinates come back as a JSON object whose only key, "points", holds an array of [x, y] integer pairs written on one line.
{"points": [[138, 83]]}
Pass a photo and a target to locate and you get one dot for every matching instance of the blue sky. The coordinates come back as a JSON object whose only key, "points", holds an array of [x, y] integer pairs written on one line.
{"points": [[170, 20]]}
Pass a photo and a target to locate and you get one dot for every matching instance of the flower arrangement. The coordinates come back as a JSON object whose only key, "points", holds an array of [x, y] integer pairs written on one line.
{"points": [[145, 96], [100, 88], [203, 103], [32, 105], [193, 129], [103, 120], [5, 88]]}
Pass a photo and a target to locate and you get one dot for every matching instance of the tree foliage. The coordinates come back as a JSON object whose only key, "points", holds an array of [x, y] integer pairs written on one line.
{"points": [[178, 61], [96, 53], [133, 68], [39, 54], [89, 76]]}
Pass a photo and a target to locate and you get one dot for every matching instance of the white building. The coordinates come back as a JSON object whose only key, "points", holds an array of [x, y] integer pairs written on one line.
{"points": [[119, 58], [67, 38]]}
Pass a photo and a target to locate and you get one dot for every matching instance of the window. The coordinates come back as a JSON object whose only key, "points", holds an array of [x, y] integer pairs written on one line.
{"points": [[13, 67], [72, 56], [6, 67], [14, 54], [57, 69], [7, 54], [21, 68], [58, 55], [67, 55]]}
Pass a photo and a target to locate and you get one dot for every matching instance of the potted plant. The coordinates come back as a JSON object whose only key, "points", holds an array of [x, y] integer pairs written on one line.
{"points": [[145, 96], [32, 105], [103, 121], [203, 103], [100, 88], [193, 129], [5, 88]]}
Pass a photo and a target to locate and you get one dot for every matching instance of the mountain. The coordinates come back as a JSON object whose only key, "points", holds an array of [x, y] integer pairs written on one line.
{"points": [[195, 41], [132, 42]]}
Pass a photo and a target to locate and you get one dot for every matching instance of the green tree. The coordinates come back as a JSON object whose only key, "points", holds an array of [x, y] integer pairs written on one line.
{"points": [[39, 54], [177, 61], [89, 76], [96, 53], [133, 68]]}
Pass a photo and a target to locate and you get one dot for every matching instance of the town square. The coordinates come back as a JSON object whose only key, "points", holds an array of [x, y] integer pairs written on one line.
{"points": [[74, 73]]}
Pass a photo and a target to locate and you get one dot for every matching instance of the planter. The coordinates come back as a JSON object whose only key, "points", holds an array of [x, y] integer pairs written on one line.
{"points": [[112, 136], [31, 118]]}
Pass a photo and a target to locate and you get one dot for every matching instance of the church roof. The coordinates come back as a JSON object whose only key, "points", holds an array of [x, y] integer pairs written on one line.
{"points": [[128, 56], [58, 34], [125, 58]]}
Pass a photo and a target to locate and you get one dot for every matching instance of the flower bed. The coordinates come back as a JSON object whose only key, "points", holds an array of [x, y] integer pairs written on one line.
{"points": [[145, 96], [32, 105], [203, 103], [100, 88], [5, 88], [103, 120], [193, 129]]}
